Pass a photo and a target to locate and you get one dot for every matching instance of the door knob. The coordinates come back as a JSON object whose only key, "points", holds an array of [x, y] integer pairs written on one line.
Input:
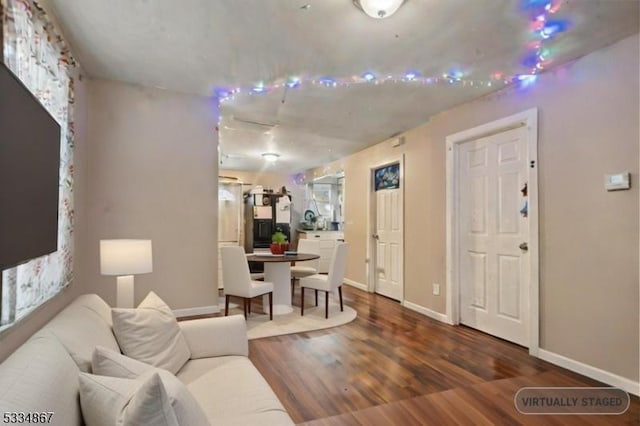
{"points": [[524, 246], [376, 236]]}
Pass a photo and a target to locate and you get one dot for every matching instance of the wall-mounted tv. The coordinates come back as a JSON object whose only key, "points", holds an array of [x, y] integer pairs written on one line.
{"points": [[29, 173]]}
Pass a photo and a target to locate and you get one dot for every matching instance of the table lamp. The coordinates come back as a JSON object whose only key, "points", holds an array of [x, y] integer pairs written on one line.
{"points": [[125, 258]]}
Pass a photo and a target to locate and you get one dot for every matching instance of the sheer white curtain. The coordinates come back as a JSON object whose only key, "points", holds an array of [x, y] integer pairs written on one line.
{"points": [[35, 52]]}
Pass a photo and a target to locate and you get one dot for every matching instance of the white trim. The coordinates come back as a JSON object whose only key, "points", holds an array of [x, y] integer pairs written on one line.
{"points": [[534, 247], [356, 284], [590, 371], [369, 261], [201, 310], [427, 312], [451, 273], [528, 119]]}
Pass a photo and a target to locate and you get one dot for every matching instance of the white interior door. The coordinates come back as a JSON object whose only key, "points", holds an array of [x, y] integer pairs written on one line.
{"points": [[493, 275], [230, 206], [230, 213], [388, 243]]}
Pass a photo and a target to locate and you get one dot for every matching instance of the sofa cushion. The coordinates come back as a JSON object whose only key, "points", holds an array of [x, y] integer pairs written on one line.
{"points": [[106, 362], [82, 326], [151, 334], [109, 363], [271, 418], [112, 401], [40, 376], [231, 390]]}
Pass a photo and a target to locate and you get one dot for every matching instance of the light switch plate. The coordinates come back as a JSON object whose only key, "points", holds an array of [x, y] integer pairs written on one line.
{"points": [[436, 289], [617, 181]]}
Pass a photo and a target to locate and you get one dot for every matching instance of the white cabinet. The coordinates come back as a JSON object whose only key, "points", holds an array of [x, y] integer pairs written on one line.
{"points": [[328, 241]]}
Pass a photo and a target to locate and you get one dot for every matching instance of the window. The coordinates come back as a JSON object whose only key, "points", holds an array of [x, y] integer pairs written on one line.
{"points": [[39, 57]]}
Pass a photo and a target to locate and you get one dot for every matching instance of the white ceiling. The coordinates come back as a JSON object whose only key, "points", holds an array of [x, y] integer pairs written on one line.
{"points": [[196, 46]]}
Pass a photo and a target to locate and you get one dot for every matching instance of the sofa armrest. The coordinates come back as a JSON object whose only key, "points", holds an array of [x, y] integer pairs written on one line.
{"points": [[219, 336]]}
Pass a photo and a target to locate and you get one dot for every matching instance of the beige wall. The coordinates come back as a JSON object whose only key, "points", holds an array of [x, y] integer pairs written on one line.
{"points": [[153, 170], [588, 126], [14, 336]]}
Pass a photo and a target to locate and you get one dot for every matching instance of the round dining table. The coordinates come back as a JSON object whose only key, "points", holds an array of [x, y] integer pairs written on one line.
{"points": [[277, 270]]}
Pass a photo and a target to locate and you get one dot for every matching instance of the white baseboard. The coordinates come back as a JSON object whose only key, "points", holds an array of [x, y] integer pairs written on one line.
{"points": [[590, 371], [202, 310], [356, 284], [426, 312]]}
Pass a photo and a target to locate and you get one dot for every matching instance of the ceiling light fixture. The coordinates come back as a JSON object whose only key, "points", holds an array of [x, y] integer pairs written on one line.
{"points": [[378, 9], [270, 157]]}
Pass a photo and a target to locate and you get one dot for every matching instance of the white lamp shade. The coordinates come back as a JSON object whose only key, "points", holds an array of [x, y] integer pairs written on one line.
{"points": [[125, 257], [380, 8]]}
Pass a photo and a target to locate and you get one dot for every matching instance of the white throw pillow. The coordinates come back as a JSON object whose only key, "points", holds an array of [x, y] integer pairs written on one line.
{"points": [[106, 362], [112, 401], [151, 334]]}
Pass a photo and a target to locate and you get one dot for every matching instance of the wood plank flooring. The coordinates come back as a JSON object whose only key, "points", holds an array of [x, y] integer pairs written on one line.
{"points": [[393, 366]]}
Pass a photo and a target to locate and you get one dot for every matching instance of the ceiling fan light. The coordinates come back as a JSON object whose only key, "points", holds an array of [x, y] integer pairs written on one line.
{"points": [[270, 157], [379, 9]]}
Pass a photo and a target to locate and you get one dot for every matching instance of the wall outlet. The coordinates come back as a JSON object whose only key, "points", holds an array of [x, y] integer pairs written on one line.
{"points": [[436, 289]]}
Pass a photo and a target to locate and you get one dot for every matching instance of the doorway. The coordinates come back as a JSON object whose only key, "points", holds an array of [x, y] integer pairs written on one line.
{"points": [[385, 244], [492, 229], [230, 213]]}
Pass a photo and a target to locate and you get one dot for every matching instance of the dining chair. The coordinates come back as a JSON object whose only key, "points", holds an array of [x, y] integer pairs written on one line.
{"points": [[238, 282], [329, 282], [308, 267]]}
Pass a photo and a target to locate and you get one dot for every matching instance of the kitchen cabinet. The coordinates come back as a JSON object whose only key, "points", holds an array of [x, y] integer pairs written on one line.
{"points": [[328, 241]]}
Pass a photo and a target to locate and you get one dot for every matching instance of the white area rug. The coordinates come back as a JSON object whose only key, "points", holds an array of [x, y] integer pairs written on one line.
{"points": [[258, 324]]}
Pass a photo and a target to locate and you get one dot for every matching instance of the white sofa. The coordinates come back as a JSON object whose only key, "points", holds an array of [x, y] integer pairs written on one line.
{"points": [[42, 375]]}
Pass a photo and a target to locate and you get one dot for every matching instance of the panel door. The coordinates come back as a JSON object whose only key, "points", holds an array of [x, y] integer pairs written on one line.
{"points": [[230, 212], [388, 243], [493, 275]]}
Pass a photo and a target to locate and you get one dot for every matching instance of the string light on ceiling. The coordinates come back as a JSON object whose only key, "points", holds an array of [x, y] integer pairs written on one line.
{"points": [[541, 29]]}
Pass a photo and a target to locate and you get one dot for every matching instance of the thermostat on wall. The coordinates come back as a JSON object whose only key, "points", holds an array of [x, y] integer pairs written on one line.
{"points": [[616, 181]]}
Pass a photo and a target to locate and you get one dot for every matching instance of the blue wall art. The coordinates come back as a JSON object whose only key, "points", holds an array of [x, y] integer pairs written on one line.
{"points": [[387, 177]]}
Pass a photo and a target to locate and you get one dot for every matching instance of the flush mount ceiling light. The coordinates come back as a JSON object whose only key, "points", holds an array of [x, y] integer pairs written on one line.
{"points": [[378, 9], [270, 157]]}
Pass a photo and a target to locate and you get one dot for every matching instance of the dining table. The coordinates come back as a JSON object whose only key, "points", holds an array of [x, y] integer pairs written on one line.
{"points": [[277, 270]]}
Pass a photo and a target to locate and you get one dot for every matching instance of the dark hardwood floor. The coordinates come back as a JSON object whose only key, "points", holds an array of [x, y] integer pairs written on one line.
{"points": [[393, 366]]}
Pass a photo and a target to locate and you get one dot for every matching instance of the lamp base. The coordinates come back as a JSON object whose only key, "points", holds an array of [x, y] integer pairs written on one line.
{"points": [[124, 297]]}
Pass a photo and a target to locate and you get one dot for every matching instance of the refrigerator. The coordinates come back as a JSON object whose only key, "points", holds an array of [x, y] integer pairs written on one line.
{"points": [[265, 213]]}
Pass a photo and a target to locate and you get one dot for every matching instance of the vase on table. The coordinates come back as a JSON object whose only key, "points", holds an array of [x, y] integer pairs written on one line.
{"points": [[279, 248]]}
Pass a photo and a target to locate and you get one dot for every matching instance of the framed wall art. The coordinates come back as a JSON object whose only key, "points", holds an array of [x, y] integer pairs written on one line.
{"points": [[387, 177]]}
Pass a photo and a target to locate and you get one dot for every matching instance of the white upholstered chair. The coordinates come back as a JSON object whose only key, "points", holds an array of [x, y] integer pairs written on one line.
{"points": [[238, 282], [308, 267], [330, 282]]}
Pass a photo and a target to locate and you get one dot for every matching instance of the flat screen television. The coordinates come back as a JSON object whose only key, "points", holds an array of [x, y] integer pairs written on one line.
{"points": [[29, 174]]}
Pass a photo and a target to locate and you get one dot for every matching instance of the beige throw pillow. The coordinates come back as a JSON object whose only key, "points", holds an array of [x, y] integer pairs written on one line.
{"points": [[108, 401], [150, 333], [187, 410]]}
